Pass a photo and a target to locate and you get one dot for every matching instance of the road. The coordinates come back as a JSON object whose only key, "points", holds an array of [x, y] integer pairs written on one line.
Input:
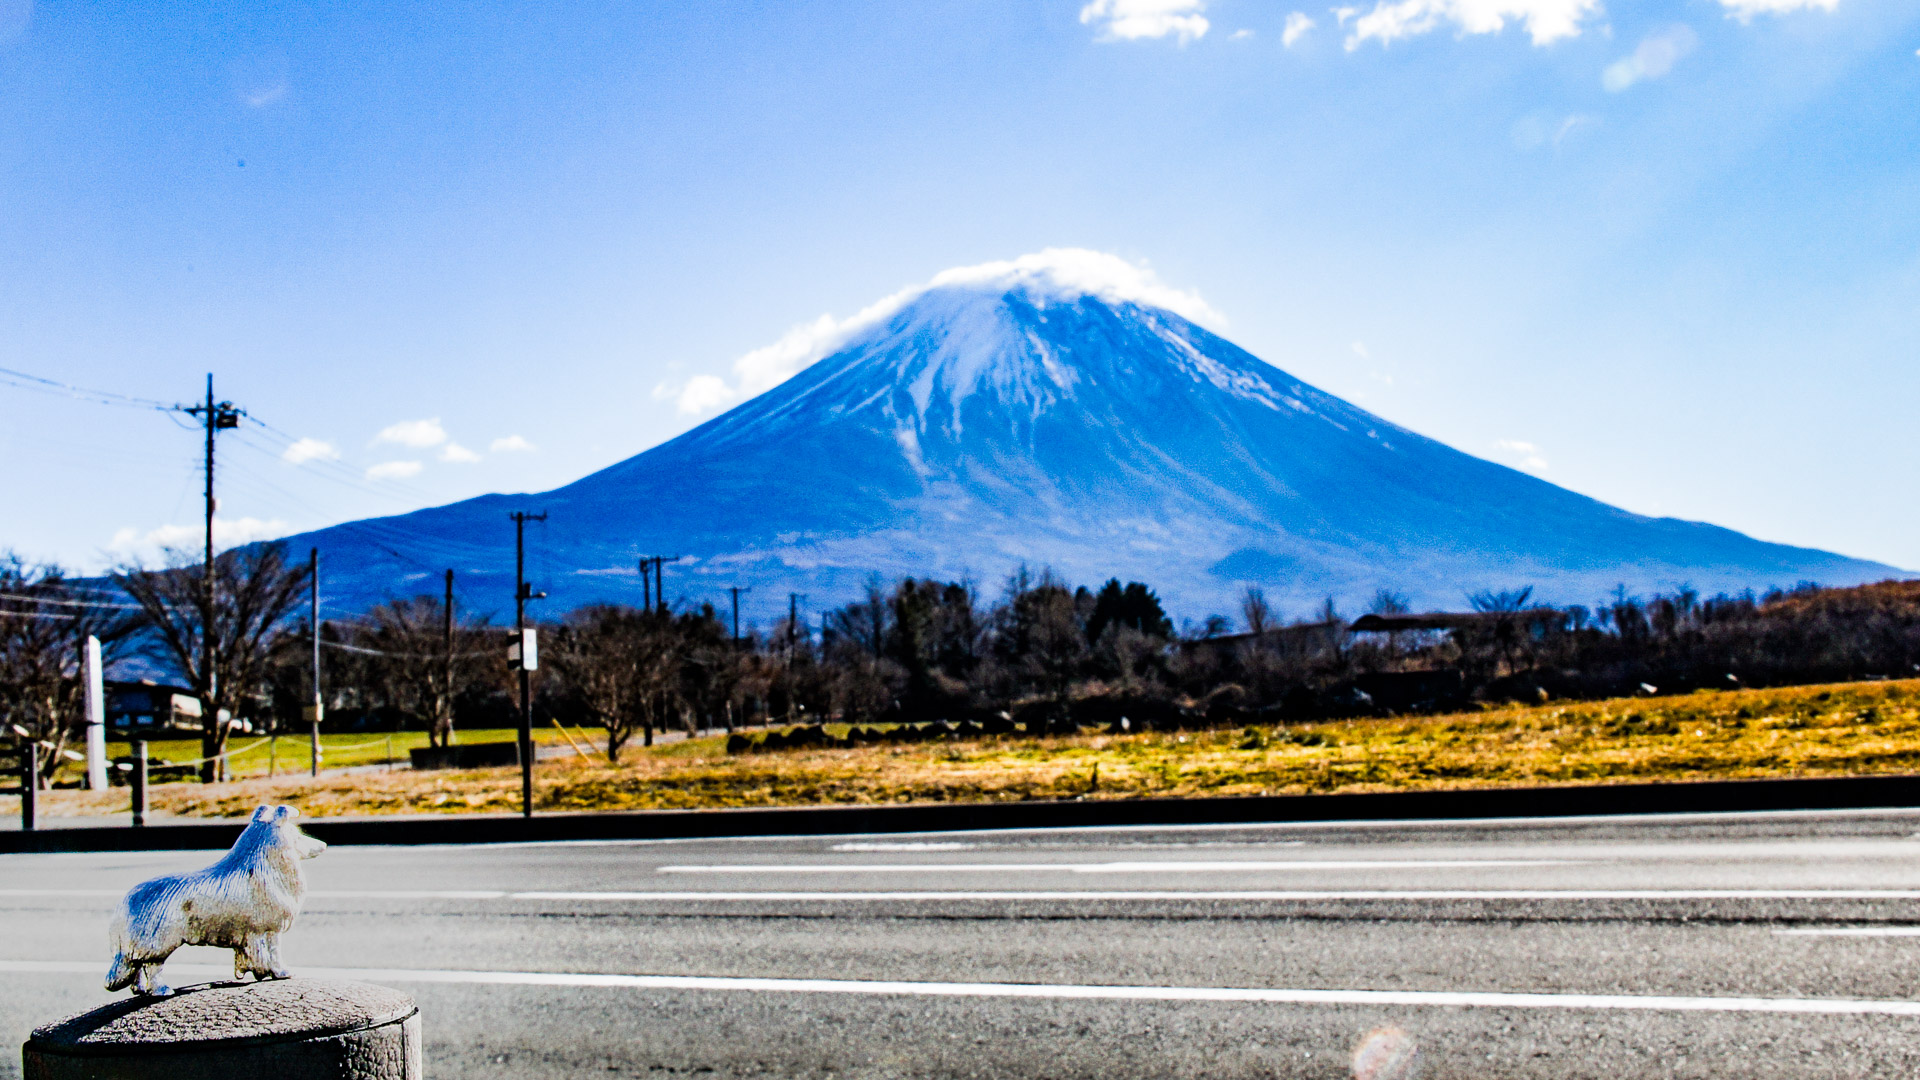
{"points": [[1768, 945]]}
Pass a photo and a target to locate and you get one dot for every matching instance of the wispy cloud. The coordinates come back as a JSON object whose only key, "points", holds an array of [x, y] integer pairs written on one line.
{"points": [[1535, 131], [1133, 20], [456, 454], [1296, 28], [306, 450], [1651, 59], [415, 433], [394, 470], [1745, 10], [1527, 455], [226, 533], [1547, 21], [511, 444]]}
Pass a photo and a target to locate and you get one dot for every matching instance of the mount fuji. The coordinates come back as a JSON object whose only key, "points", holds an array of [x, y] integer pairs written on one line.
{"points": [[1055, 411]]}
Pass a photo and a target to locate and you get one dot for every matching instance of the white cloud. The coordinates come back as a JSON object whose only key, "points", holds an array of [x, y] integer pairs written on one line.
{"points": [[306, 450], [1527, 453], [1297, 26], [1745, 10], [456, 454], [1653, 58], [1132, 20], [1535, 130], [226, 533], [1360, 350], [1546, 21], [394, 470], [511, 444], [415, 433], [704, 392], [1064, 272], [1074, 272], [1241, 35]]}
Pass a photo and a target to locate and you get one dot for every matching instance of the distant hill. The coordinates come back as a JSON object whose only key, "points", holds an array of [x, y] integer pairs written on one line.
{"points": [[981, 426]]}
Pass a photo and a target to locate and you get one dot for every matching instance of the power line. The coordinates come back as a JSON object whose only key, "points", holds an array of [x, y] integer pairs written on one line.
{"points": [[25, 381], [68, 603]]}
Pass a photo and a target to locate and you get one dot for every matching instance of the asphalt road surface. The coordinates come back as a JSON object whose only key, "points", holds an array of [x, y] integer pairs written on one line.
{"points": [[1766, 945]]}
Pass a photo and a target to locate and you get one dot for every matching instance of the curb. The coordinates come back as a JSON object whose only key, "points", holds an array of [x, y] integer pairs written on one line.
{"points": [[1598, 800]]}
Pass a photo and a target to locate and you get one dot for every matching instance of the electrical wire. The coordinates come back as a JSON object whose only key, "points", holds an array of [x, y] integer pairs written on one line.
{"points": [[24, 381], [364, 651], [68, 603]]}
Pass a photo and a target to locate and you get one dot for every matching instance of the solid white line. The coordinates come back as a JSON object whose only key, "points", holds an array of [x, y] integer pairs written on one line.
{"points": [[1163, 866], [1853, 931], [320, 894], [938, 895], [1057, 991], [1237, 894]]}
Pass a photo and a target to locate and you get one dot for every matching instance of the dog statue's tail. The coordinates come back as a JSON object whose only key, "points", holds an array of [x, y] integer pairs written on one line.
{"points": [[121, 972]]}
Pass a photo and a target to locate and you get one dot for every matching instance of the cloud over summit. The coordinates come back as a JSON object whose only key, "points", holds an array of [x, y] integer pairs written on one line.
{"points": [[1067, 273]]}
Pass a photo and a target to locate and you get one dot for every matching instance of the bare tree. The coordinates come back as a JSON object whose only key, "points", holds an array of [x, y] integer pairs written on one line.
{"points": [[623, 667], [418, 666], [44, 624], [1253, 606], [254, 589]]}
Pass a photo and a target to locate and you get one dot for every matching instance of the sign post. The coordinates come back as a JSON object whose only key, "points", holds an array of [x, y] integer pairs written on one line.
{"points": [[96, 708]]}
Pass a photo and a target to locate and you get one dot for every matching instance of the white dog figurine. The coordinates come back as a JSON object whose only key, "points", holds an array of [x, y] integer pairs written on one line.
{"points": [[243, 902]]}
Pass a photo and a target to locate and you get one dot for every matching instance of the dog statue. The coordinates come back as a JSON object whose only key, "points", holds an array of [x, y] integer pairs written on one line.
{"points": [[244, 902]]}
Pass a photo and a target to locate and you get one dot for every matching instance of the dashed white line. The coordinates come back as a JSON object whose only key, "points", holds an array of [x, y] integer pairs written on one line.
{"points": [[1057, 991], [1851, 931]]}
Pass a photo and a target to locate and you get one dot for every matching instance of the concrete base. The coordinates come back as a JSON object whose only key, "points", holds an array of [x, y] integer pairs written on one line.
{"points": [[286, 1029]]}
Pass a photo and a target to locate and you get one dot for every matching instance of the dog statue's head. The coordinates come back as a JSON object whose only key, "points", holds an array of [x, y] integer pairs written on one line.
{"points": [[286, 831]]}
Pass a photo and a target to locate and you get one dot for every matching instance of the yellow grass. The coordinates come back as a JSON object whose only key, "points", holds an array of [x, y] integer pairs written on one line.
{"points": [[1843, 729]]}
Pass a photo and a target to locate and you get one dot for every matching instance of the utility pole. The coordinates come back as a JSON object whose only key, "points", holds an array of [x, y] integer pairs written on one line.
{"points": [[318, 709], [446, 633], [523, 653], [793, 624], [793, 631], [736, 591], [658, 562], [646, 585], [216, 416]]}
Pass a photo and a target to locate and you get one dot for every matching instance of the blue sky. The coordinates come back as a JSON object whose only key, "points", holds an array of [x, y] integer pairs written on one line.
{"points": [[1664, 254]]}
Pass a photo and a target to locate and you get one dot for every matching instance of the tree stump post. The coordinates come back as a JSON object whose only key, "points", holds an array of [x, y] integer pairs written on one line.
{"points": [[283, 1029]]}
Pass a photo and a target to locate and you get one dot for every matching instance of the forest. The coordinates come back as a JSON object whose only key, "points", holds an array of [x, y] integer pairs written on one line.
{"points": [[1036, 654]]}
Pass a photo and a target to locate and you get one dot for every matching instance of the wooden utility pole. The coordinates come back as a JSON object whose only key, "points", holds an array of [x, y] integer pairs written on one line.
{"points": [[318, 710], [446, 633], [217, 416], [524, 654], [736, 591], [658, 563]]}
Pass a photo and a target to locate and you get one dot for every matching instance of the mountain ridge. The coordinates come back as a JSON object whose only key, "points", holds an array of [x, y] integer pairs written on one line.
{"points": [[981, 425]]}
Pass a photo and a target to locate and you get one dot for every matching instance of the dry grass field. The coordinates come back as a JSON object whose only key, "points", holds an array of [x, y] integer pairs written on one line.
{"points": [[1835, 730]]}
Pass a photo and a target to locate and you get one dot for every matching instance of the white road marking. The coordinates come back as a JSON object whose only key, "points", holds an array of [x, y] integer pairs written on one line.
{"points": [[1159, 866], [1245, 894], [938, 895], [1056, 991], [1852, 931], [949, 845], [312, 894]]}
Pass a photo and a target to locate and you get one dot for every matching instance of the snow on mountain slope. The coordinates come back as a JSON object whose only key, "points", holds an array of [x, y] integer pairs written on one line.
{"points": [[1042, 412]]}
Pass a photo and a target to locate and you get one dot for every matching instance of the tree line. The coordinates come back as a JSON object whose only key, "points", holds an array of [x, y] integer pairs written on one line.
{"points": [[1039, 652]]}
